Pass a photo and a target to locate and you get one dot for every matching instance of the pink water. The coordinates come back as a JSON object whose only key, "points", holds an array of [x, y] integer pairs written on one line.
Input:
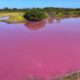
{"points": [[50, 50]]}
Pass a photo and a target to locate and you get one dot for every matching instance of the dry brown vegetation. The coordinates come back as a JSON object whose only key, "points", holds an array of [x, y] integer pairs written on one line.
{"points": [[73, 76]]}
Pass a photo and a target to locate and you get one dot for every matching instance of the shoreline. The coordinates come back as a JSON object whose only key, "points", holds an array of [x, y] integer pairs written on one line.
{"points": [[70, 76], [23, 21]]}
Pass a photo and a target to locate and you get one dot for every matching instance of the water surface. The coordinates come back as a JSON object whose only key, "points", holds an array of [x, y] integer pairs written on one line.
{"points": [[44, 49], [4, 18]]}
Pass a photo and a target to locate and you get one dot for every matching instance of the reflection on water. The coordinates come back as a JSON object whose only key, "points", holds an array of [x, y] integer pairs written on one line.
{"points": [[49, 20], [35, 25], [52, 20]]}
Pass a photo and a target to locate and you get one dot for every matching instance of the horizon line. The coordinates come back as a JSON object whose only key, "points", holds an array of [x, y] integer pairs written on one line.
{"points": [[40, 7]]}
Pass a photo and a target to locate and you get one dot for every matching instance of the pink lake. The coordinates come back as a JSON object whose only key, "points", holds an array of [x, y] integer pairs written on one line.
{"points": [[44, 49]]}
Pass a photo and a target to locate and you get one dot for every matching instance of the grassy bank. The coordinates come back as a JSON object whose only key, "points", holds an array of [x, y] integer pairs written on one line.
{"points": [[13, 17]]}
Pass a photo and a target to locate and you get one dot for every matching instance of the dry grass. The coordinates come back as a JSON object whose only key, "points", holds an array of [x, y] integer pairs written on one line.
{"points": [[73, 76], [10, 14], [13, 17]]}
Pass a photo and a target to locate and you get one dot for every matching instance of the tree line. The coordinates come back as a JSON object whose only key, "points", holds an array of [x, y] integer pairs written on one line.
{"points": [[51, 11]]}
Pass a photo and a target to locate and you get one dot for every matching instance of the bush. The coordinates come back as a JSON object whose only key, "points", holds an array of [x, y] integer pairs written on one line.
{"points": [[35, 15], [60, 14]]}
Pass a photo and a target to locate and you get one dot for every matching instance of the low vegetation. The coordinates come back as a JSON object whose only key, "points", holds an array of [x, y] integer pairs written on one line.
{"points": [[37, 14], [13, 17], [16, 19]]}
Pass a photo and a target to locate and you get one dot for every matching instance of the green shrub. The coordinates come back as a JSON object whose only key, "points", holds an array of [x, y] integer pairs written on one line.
{"points": [[35, 15], [60, 14]]}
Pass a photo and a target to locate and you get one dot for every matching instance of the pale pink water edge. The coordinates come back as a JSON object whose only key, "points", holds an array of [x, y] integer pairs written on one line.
{"points": [[52, 50]]}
